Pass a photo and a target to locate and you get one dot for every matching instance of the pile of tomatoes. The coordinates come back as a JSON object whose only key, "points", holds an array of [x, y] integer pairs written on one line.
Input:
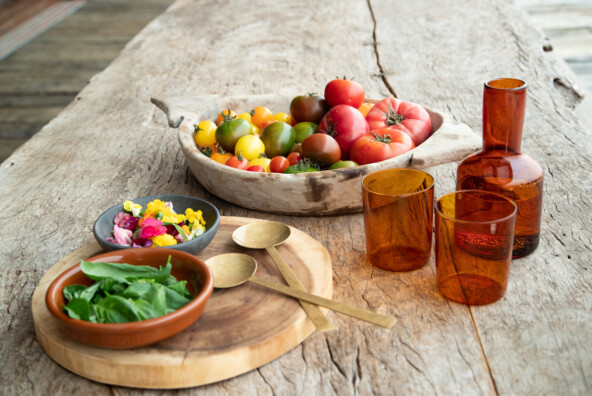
{"points": [[335, 131]]}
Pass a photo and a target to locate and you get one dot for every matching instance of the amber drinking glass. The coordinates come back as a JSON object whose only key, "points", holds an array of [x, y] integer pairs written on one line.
{"points": [[474, 238], [398, 214], [500, 167]]}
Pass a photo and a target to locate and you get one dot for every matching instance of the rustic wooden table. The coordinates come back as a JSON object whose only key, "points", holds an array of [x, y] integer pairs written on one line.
{"points": [[111, 143]]}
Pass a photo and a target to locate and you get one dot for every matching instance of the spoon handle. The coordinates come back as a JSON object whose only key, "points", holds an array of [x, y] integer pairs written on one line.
{"points": [[368, 316], [313, 311]]}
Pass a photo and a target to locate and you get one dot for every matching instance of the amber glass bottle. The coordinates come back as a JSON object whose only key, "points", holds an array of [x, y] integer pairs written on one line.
{"points": [[500, 167]]}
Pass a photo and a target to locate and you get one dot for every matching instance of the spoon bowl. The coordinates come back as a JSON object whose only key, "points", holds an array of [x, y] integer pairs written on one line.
{"points": [[261, 234], [231, 269]]}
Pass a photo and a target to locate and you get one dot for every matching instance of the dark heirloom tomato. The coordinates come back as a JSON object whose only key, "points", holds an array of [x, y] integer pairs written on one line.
{"points": [[380, 145], [278, 138], [321, 148], [408, 117], [229, 132], [346, 124], [309, 108], [343, 91]]}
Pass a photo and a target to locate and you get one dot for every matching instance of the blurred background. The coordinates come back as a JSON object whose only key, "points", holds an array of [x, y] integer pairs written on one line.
{"points": [[49, 50]]}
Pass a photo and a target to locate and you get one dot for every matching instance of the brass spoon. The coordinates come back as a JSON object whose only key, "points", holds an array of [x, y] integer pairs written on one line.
{"points": [[266, 235], [233, 269]]}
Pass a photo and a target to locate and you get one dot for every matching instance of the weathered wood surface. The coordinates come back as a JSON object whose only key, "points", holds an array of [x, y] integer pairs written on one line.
{"points": [[112, 143]]}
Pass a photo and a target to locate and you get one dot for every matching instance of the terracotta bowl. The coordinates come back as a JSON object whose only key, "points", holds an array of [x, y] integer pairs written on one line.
{"points": [[104, 224], [185, 266], [316, 193]]}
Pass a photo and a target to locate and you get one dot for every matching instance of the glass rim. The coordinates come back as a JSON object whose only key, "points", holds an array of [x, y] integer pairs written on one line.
{"points": [[500, 220], [431, 186], [521, 87]]}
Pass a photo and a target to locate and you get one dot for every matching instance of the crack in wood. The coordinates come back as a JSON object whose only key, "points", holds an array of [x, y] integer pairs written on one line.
{"points": [[375, 45]]}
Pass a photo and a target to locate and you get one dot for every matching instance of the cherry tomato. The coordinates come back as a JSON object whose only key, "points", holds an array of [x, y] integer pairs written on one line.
{"points": [[238, 161], [250, 146], [343, 91], [294, 158], [279, 164], [278, 138], [246, 116], [204, 133], [296, 148], [381, 144], [310, 107], [225, 116], [321, 148], [268, 122], [303, 166], [228, 133], [221, 157], [285, 117], [365, 108], [255, 168], [209, 150], [260, 114], [408, 117], [304, 130], [343, 164], [262, 162], [346, 124]]}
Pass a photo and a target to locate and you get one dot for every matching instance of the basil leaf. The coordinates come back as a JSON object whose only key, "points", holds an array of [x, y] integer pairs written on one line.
{"points": [[146, 310], [116, 309], [78, 308], [73, 291], [174, 300], [124, 272]]}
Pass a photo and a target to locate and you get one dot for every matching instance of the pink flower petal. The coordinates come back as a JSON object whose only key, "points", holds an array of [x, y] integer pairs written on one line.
{"points": [[122, 236]]}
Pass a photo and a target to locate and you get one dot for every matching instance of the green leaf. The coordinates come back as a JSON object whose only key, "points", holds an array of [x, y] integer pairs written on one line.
{"points": [[174, 300], [73, 291], [185, 237], [78, 308], [117, 309], [146, 310], [124, 272]]}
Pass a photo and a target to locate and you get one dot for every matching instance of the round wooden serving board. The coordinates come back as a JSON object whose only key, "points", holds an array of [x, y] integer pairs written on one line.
{"points": [[241, 329]]}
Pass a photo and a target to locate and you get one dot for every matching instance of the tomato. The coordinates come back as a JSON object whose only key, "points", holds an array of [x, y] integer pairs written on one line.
{"points": [[321, 148], [343, 164], [408, 117], [260, 114], [263, 162], [246, 116], [255, 168], [225, 116], [309, 108], [294, 158], [204, 133], [268, 122], [346, 124], [250, 146], [303, 166], [304, 130], [285, 117], [345, 92], [209, 150], [365, 108], [238, 161], [380, 145], [221, 157], [278, 138], [228, 133], [279, 164]]}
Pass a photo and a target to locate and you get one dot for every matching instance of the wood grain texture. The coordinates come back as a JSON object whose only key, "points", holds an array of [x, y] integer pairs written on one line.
{"points": [[534, 341], [241, 329]]}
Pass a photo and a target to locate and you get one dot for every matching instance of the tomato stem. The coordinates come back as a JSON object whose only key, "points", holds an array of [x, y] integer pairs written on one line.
{"points": [[392, 117], [207, 151], [382, 139], [331, 130]]}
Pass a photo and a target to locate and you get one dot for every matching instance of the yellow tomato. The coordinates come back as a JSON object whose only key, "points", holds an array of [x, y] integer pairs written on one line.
{"points": [[221, 158], [285, 117], [365, 108], [262, 162], [205, 133], [225, 115], [260, 114], [255, 131], [250, 146], [246, 117]]}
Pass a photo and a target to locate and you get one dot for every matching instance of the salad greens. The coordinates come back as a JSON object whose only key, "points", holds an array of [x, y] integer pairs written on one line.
{"points": [[125, 293]]}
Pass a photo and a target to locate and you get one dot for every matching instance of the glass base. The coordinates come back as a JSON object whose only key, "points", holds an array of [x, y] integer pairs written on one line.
{"points": [[399, 258], [524, 245], [471, 289]]}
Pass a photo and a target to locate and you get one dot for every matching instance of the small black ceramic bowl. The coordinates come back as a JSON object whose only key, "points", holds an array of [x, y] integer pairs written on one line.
{"points": [[104, 224]]}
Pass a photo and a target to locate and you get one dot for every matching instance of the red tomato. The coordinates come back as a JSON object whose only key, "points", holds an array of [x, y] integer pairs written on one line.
{"points": [[255, 168], [278, 164], [321, 148], [346, 124], [408, 117], [238, 161], [294, 158], [346, 92], [380, 145]]}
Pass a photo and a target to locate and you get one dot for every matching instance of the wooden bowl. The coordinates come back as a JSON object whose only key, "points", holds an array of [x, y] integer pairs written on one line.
{"points": [[317, 193], [185, 266], [104, 224]]}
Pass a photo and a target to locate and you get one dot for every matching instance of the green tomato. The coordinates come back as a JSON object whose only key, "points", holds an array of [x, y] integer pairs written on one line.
{"points": [[228, 133], [303, 166], [278, 138], [304, 130], [343, 164]]}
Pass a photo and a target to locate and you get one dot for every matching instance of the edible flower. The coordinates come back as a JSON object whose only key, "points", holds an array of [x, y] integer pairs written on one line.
{"points": [[164, 240], [122, 236], [152, 227]]}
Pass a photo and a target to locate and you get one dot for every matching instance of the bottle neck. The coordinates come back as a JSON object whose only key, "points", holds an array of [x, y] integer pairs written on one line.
{"points": [[504, 104]]}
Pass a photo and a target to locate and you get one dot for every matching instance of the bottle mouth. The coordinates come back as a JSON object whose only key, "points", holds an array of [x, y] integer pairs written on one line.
{"points": [[508, 84]]}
